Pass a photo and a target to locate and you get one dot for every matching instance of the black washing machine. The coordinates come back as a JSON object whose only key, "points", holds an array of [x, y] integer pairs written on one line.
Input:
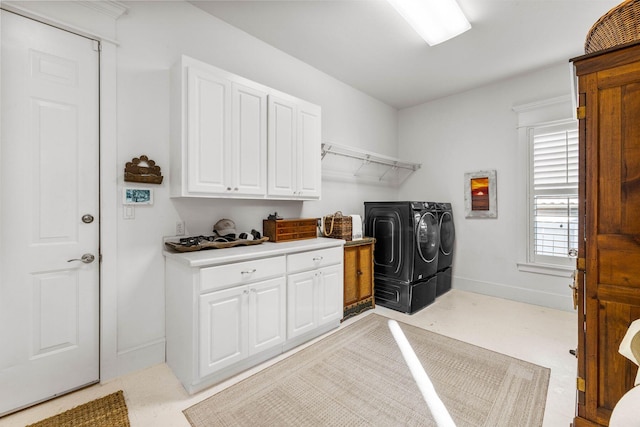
{"points": [[406, 253], [447, 240]]}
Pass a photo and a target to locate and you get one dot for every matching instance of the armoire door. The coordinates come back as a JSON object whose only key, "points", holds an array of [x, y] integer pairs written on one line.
{"points": [[609, 256], [49, 216]]}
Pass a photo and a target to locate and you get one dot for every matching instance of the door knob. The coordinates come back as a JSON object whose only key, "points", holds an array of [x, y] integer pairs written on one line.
{"points": [[86, 258], [87, 218]]}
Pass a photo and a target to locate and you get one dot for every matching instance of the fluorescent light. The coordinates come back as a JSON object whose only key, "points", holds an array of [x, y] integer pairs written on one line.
{"points": [[435, 20]]}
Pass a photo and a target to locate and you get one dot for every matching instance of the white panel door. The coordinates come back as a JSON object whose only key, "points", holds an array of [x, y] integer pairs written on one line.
{"points": [[309, 146], [208, 132], [223, 329], [49, 180], [249, 149], [267, 314], [282, 147], [330, 294], [301, 303]]}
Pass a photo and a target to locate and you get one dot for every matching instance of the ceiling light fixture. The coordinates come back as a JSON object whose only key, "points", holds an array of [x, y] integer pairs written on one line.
{"points": [[435, 20]]}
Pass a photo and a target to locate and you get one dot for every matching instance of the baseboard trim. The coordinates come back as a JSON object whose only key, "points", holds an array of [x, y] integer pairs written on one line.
{"points": [[141, 357], [529, 296]]}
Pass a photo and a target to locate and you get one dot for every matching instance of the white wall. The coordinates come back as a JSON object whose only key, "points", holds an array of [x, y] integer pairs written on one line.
{"points": [[152, 36], [474, 131]]}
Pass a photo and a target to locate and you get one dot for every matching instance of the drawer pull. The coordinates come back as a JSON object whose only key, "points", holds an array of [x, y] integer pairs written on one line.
{"points": [[318, 258], [253, 270]]}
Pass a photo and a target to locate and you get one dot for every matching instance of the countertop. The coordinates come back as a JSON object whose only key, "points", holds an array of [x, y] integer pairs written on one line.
{"points": [[210, 257]]}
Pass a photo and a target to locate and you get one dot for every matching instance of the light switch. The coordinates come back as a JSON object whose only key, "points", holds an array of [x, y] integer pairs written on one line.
{"points": [[129, 212]]}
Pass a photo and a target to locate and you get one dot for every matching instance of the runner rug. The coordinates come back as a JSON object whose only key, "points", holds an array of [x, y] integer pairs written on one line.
{"points": [[358, 377]]}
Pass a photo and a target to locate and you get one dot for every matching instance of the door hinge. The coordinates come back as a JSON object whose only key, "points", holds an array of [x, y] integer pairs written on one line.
{"points": [[581, 264], [581, 384], [581, 112], [97, 46]]}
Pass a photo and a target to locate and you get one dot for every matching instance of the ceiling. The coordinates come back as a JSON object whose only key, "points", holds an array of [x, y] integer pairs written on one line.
{"points": [[367, 45]]}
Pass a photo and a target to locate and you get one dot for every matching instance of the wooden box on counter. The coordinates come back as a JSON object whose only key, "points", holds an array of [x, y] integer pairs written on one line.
{"points": [[284, 230]]}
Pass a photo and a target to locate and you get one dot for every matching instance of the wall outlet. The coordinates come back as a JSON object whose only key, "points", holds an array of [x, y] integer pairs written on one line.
{"points": [[180, 228]]}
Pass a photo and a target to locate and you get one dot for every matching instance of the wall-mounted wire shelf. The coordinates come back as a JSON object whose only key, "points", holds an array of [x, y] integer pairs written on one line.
{"points": [[350, 163]]}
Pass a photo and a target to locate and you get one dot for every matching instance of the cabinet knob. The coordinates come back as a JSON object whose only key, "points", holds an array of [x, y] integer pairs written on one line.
{"points": [[235, 189], [359, 273], [246, 292], [228, 188]]}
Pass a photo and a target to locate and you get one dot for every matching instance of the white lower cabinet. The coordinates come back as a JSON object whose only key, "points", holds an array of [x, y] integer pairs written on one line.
{"points": [[314, 299], [239, 322], [314, 295], [224, 318]]}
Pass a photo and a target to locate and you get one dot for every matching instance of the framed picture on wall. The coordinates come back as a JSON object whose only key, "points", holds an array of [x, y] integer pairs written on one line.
{"points": [[137, 196], [480, 194]]}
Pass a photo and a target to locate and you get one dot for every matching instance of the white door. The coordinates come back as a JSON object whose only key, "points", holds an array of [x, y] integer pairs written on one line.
{"points": [[301, 303], [249, 148], [48, 180], [282, 142], [267, 314], [223, 329], [309, 145], [209, 132], [330, 294]]}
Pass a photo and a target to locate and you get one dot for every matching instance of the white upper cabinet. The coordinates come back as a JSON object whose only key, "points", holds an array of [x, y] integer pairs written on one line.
{"points": [[222, 144], [208, 138], [219, 133], [294, 144], [249, 141]]}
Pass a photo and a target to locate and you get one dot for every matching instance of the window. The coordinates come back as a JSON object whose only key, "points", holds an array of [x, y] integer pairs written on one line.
{"points": [[553, 193]]}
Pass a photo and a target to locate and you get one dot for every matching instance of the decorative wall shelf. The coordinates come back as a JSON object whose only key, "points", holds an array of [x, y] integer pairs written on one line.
{"points": [[142, 169], [349, 163]]}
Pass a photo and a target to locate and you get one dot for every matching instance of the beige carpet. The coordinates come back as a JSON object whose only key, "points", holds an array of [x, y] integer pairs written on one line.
{"points": [[107, 411], [357, 377]]}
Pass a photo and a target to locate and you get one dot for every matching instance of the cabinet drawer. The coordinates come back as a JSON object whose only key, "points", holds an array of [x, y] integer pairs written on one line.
{"points": [[314, 259], [239, 273]]}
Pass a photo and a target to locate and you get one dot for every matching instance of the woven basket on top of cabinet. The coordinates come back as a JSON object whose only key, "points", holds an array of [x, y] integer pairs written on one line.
{"points": [[337, 226], [618, 26]]}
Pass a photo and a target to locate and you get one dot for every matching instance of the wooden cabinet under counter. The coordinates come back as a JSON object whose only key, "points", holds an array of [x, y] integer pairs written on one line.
{"points": [[358, 276]]}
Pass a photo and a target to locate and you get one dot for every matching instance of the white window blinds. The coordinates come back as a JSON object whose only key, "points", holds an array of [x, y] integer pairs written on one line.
{"points": [[555, 190]]}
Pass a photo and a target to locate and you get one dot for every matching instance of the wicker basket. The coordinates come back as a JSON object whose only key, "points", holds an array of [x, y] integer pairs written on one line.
{"points": [[618, 26], [337, 226]]}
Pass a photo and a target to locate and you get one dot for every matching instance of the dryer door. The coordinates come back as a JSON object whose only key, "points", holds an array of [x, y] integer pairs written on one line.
{"points": [[447, 233], [428, 237]]}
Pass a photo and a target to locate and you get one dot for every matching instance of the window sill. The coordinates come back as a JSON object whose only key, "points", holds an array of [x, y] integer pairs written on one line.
{"points": [[548, 269]]}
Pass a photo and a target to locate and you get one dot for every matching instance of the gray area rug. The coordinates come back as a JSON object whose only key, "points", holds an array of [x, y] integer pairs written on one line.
{"points": [[357, 377]]}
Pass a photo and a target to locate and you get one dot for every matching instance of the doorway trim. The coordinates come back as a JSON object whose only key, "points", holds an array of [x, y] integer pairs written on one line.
{"points": [[85, 19]]}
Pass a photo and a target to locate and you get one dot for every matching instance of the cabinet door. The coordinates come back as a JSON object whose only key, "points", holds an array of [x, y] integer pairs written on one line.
{"points": [[249, 149], [223, 329], [308, 145], [351, 283], [282, 147], [267, 314], [365, 271], [208, 132], [329, 287], [301, 302], [611, 199]]}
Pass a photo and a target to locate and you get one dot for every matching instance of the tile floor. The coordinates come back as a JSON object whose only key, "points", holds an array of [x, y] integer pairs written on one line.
{"points": [[536, 334]]}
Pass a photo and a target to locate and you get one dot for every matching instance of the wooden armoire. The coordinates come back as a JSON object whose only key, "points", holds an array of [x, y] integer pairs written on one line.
{"points": [[607, 286]]}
